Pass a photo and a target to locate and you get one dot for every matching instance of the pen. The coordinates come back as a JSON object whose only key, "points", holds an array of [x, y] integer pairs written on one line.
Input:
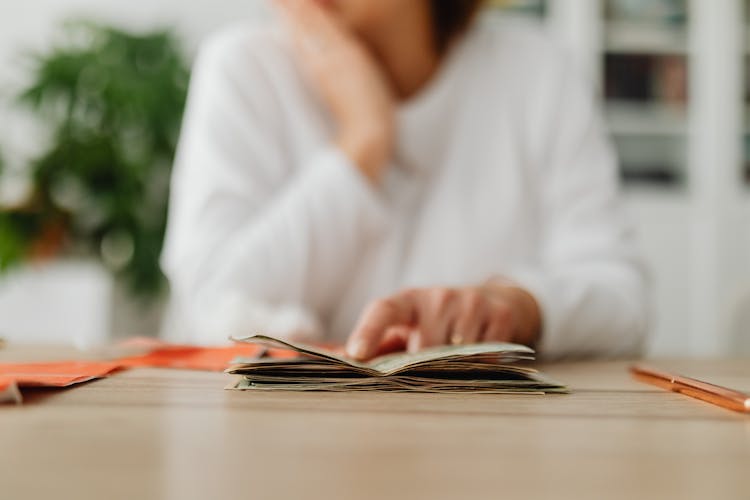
{"points": [[715, 394]]}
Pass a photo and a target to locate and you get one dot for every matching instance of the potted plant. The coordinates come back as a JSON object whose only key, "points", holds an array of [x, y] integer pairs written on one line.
{"points": [[113, 102]]}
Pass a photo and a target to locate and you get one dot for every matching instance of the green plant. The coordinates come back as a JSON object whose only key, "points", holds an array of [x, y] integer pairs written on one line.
{"points": [[114, 103], [12, 235]]}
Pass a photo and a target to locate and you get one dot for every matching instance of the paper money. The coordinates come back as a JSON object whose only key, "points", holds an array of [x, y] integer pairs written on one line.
{"points": [[475, 368]]}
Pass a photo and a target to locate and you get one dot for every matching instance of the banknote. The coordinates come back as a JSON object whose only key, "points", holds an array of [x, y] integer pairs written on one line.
{"points": [[499, 368]]}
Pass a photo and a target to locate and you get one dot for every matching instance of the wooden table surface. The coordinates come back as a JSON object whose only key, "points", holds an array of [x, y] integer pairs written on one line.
{"points": [[165, 434]]}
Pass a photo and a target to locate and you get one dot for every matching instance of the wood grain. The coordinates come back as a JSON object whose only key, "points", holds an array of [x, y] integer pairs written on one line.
{"points": [[164, 434]]}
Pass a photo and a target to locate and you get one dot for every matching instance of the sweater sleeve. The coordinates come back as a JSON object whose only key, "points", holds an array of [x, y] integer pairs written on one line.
{"points": [[257, 240], [588, 279]]}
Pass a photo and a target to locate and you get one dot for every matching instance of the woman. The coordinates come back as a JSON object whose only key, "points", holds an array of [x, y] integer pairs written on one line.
{"points": [[399, 175]]}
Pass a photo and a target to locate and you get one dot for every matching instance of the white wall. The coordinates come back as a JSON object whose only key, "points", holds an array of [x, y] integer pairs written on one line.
{"points": [[31, 25]]}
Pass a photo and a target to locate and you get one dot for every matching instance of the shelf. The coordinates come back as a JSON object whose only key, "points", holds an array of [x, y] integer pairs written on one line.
{"points": [[641, 79], [649, 159], [645, 119], [673, 197], [649, 38], [520, 8], [653, 179]]}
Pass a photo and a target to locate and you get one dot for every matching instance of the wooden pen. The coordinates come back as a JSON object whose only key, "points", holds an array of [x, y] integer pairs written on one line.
{"points": [[715, 394]]}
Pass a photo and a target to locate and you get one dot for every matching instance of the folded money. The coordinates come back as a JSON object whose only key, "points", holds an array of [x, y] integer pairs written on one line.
{"points": [[472, 368]]}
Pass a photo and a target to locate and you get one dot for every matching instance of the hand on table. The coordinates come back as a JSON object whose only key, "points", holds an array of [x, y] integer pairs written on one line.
{"points": [[349, 81], [424, 317]]}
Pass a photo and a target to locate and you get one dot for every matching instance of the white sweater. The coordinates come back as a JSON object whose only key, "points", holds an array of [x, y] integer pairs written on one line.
{"points": [[502, 168]]}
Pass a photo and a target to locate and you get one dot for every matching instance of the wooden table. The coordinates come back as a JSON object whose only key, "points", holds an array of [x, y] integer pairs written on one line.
{"points": [[160, 434]]}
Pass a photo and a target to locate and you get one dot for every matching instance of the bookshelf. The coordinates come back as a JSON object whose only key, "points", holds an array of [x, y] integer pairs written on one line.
{"points": [[746, 77], [645, 87], [528, 8], [674, 76]]}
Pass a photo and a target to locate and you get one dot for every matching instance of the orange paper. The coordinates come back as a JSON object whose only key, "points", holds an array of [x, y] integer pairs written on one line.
{"points": [[153, 353], [190, 358], [57, 374], [196, 358]]}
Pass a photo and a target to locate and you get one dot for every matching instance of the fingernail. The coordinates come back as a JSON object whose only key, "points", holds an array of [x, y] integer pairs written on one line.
{"points": [[414, 343], [356, 349]]}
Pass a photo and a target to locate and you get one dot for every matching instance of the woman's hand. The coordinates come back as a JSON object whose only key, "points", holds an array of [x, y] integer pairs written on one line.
{"points": [[426, 317], [348, 80]]}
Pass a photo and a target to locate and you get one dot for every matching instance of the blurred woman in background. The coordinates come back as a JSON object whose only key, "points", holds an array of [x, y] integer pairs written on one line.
{"points": [[397, 174]]}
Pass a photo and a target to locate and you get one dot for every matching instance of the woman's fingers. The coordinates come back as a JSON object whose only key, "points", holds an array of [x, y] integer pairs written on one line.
{"points": [[314, 30], [437, 310], [304, 14], [349, 81], [470, 319], [394, 340], [381, 315], [427, 317], [499, 326], [436, 315]]}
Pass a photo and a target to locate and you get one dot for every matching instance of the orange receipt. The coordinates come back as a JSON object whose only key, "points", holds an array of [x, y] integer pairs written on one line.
{"points": [[186, 357], [56, 374], [151, 353]]}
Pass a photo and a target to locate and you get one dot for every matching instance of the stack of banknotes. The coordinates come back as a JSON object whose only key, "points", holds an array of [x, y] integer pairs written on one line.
{"points": [[499, 368]]}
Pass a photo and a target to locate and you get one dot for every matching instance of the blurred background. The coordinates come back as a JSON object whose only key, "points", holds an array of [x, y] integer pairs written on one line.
{"points": [[91, 95]]}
